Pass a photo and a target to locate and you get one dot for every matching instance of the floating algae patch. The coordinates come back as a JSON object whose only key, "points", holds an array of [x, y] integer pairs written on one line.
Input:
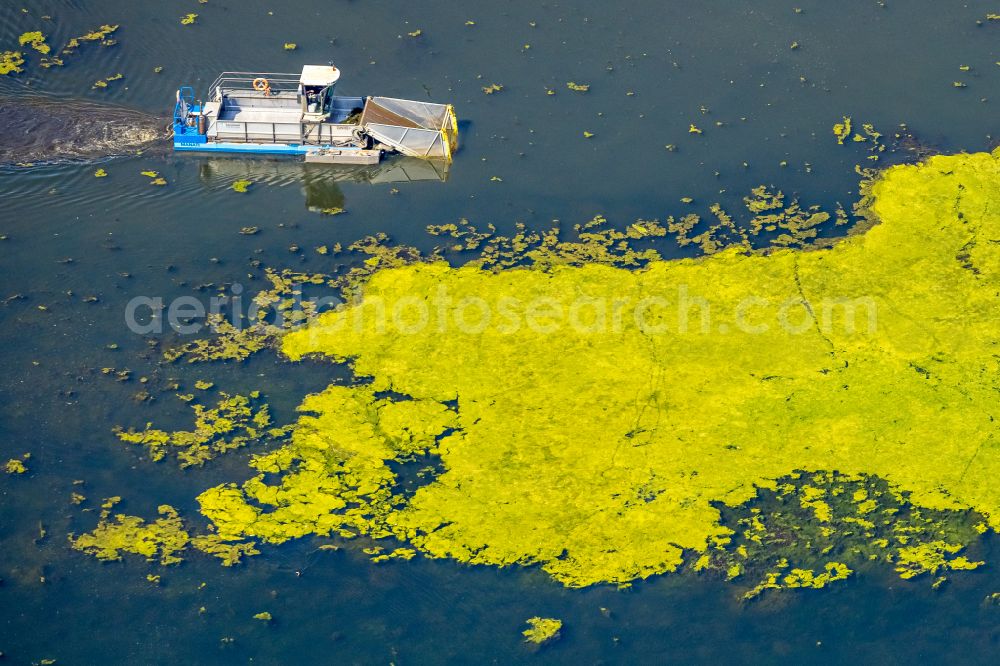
{"points": [[542, 630], [842, 130], [230, 551], [233, 423], [36, 40], [101, 34], [17, 466], [159, 540], [281, 301], [596, 411], [793, 224], [163, 540], [242, 186], [103, 83], [11, 62]]}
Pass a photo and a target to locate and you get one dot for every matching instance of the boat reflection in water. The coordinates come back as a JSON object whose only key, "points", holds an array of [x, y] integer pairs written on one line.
{"points": [[320, 182]]}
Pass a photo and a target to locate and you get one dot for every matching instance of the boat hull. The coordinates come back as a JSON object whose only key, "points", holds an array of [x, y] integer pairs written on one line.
{"points": [[254, 148]]}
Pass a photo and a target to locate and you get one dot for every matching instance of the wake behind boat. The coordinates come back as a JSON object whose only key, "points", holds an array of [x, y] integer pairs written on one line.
{"points": [[44, 129]]}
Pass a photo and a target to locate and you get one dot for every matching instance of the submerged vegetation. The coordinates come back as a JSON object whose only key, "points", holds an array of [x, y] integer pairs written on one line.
{"points": [[842, 523]]}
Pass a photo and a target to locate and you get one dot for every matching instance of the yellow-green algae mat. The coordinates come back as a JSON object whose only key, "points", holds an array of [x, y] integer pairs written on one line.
{"points": [[602, 454]]}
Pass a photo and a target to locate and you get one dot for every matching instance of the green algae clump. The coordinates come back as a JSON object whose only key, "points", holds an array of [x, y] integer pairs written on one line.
{"points": [[932, 557], [842, 130], [542, 630], [101, 34], [237, 343], [801, 578], [234, 422], [11, 62], [15, 466], [230, 552], [103, 83], [36, 40], [160, 540]]}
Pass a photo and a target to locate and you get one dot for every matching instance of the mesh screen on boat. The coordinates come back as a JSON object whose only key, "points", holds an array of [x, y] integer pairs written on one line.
{"points": [[419, 129]]}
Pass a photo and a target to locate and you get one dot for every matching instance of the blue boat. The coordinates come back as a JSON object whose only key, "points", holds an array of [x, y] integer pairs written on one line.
{"points": [[269, 113]]}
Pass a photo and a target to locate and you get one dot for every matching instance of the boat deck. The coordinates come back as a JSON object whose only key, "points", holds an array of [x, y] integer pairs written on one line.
{"points": [[256, 115], [377, 114]]}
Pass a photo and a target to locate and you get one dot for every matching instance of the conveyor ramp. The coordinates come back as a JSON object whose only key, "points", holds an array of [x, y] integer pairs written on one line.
{"points": [[417, 129]]}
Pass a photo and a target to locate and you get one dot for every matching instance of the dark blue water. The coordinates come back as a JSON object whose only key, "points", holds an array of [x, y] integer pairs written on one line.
{"points": [[69, 236]]}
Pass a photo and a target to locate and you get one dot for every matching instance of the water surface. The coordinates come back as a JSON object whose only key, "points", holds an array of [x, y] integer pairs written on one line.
{"points": [[654, 69]]}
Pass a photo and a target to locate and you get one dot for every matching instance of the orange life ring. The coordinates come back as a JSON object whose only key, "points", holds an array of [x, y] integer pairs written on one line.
{"points": [[262, 85]]}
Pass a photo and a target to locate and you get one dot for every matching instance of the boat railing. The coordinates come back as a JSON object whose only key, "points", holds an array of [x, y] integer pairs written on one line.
{"points": [[265, 129], [242, 82], [185, 103]]}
